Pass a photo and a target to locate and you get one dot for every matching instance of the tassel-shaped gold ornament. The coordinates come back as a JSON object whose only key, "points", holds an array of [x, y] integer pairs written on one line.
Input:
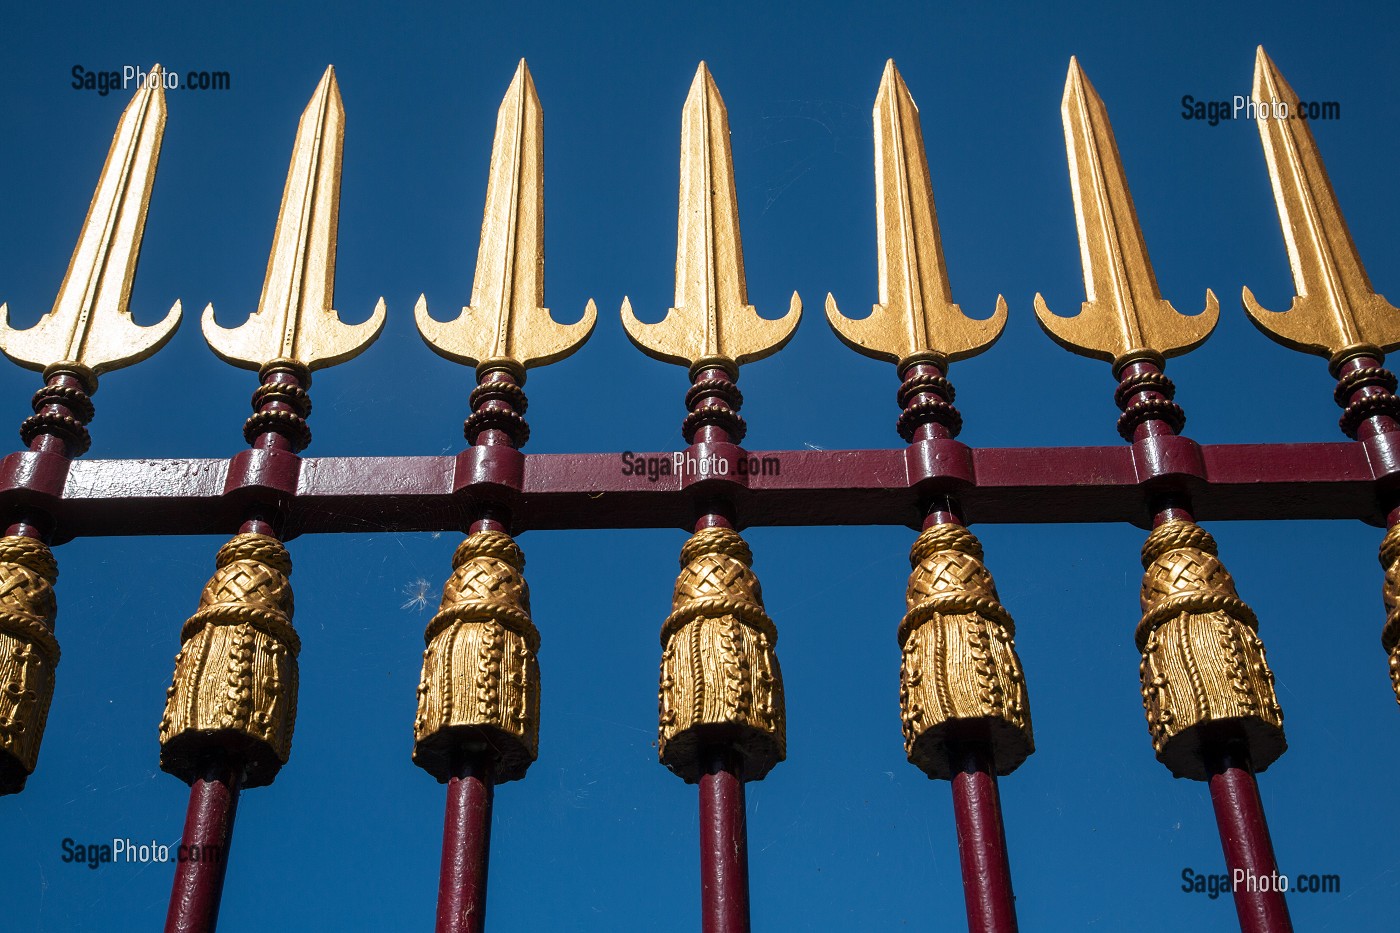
{"points": [[235, 685], [28, 654], [1203, 668], [720, 680], [959, 676], [480, 687]]}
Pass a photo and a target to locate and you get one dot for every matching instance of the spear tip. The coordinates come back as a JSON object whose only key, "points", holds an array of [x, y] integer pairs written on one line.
{"points": [[891, 82], [703, 88], [522, 82], [327, 87], [1269, 82], [1078, 85]]}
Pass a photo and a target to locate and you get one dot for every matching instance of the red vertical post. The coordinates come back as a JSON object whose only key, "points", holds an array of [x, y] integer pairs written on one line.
{"points": [[498, 405], [713, 402], [986, 868], [1244, 835], [55, 434], [1145, 395], [926, 399], [278, 424], [1371, 415], [466, 848], [724, 846], [204, 846]]}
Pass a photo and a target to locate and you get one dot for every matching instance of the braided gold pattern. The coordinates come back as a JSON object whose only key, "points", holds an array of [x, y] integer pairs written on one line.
{"points": [[1390, 592], [720, 680], [28, 654], [959, 676], [235, 683], [1203, 666], [480, 688]]}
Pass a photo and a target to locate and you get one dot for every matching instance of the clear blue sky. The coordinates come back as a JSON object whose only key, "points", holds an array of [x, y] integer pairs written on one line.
{"points": [[846, 834]]}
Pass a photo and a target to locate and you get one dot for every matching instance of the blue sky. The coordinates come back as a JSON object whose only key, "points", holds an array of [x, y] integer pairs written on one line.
{"points": [[845, 834]]}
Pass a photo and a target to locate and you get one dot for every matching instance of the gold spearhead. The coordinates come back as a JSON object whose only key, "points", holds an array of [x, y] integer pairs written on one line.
{"points": [[90, 322], [712, 317], [916, 312], [507, 318], [1125, 314], [1335, 309], [294, 319]]}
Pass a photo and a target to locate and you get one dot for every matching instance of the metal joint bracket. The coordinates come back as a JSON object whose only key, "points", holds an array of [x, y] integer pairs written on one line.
{"points": [[940, 465]]}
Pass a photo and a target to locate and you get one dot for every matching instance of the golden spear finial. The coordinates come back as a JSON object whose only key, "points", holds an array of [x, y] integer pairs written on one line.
{"points": [[712, 317], [90, 322], [916, 312], [294, 320], [1335, 310], [1125, 314], [507, 319]]}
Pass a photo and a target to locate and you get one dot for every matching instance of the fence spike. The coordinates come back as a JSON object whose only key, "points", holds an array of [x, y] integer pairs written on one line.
{"points": [[1207, 689], [231, 707], [916, 313], [507, 319], [88, 331], [1125, 314], [1336, 312], [712, 317], [90, 323], [294, 320]]}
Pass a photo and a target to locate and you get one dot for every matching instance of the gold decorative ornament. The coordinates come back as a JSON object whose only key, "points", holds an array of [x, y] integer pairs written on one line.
{"points": [[916, 313], [1125, 315], [712, 318], [89, 331], [28, 654], [90, 323], [294, 319], [1390, 592], [720, 681], [959, 676], [1204, 677], [235, 684], [1204, 674], [506, 319], [480, 689], [1336, 312]]}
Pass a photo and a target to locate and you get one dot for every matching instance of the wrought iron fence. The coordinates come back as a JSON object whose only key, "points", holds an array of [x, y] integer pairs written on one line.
{"points": [[1207, 690]]}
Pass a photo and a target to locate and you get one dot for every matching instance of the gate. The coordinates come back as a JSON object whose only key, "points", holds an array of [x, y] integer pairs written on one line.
{"points": [[1207, 690]]}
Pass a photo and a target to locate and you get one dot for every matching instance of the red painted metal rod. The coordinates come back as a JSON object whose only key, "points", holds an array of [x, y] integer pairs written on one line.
{"points": [[204, 848], [986, 868], [1244, 835], [724, 847], [849, 487], [466, 848]]}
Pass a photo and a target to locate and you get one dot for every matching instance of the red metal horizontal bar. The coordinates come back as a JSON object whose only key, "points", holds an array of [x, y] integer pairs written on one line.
{"points": [[807, 487]]}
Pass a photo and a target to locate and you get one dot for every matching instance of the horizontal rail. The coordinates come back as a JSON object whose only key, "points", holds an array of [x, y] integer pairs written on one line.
{"points": [[806, 487]]}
